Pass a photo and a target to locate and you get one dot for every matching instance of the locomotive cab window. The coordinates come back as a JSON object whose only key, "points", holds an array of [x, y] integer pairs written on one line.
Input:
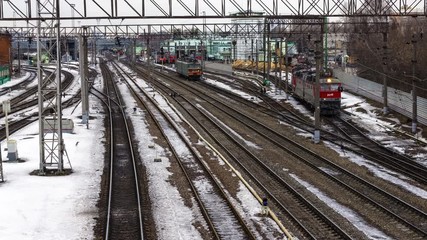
{"points": [[329, 87], [335, 87]]}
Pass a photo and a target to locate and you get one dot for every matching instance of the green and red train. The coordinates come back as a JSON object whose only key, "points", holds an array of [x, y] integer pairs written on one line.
{"points": [[4, 73], [190, 69]]}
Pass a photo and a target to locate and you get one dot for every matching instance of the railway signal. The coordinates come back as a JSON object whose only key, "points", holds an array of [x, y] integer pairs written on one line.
{"points": [[118, 43]]}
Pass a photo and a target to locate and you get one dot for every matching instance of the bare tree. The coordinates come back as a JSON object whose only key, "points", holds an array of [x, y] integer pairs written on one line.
{"points": [[375, 57]]}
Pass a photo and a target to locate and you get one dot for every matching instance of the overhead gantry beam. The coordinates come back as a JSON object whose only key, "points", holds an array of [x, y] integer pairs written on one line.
{"points": [[20, 10], [184, 30]]}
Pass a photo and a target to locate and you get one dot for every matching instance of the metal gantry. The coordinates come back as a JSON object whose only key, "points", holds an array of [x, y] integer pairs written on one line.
{"points": [[113, 9], [49, 84]]}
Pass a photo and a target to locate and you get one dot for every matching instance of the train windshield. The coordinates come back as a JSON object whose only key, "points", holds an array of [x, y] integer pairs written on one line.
{"points": [[329, 86]]}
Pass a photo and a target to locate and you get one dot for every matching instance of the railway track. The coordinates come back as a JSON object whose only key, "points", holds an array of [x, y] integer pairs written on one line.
{"points": [[29, 97], [123, 215], [21, 103], [223, 219], [376, 152], [358, 187], [341, 132], [286, 198], [21, 85]]}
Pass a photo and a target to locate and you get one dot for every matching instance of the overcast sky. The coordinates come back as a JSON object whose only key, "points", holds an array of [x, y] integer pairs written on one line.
{"points": [[95, 8]]}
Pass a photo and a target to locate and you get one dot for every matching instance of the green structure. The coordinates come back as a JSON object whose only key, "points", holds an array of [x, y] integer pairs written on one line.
{"points": [[4, 74]]}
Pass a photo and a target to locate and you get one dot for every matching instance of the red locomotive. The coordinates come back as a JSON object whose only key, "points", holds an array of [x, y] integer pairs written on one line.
{"points": [[303, 85]]}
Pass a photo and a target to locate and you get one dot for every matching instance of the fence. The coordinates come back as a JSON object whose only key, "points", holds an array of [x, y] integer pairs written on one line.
{"points": [[398, 100]]}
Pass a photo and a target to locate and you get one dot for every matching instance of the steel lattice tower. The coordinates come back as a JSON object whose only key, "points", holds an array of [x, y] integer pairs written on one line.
{"points": [[51, 142]]}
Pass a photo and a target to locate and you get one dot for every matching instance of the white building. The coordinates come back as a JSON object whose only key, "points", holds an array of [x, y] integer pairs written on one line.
{"points": [[249, 35]]}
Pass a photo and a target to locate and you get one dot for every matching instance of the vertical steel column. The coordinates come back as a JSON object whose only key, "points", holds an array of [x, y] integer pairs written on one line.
{"points": [[1, 168], [266, 28], [252, 56], [326, 49], [414, 86], [40, 77], [268, 49], [19, 61], [280, 65], [134, 52], [50, 138], [286, 69], [94, 47], [59, 89], [276, 46], [385, 84], [318, 57], [256, 58], [83, 76]]}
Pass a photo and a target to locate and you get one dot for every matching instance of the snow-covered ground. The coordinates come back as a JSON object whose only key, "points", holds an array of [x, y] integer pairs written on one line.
{"points": [[36, 207], [64, 207]]}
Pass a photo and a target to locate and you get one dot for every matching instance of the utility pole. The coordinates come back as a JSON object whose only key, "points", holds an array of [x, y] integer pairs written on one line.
{"points": [[201, 42], [28, 30], [83, 64], [1, 168], [325, 57], [266, 28], [318, 57], [276, 46], [19, 59], [256, 58], [385, 87], [202, 57], [133, 52], [51, 142], [286, 70], [414, 87], [268, 49], [252, 56], [280, 65]]}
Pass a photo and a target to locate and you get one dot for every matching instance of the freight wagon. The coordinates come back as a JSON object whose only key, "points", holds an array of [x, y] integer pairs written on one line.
{"points": [[190, 69]]}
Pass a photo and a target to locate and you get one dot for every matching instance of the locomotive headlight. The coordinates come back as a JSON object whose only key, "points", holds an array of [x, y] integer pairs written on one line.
{"points": [[328, 80]]}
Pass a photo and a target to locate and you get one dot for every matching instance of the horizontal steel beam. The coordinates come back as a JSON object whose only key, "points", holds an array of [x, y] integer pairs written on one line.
{"points": [[281, 27], [160, 10]]}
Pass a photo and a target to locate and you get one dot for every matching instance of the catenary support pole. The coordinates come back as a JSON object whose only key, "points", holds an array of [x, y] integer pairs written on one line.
{"points": [[83, 77], [252, 56], [385, 87], [280, 65], [414, 86], [286, 70], [318, 57]]}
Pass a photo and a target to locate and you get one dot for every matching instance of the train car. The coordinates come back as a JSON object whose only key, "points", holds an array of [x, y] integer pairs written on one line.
{"points": [[303, 87], [166, 58], [161, 59], [172, 58], [4, 73], [190, 69], [5, 57]]}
